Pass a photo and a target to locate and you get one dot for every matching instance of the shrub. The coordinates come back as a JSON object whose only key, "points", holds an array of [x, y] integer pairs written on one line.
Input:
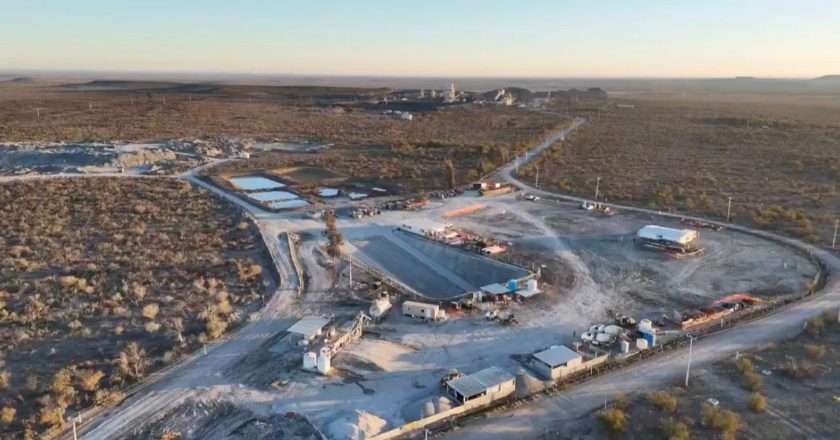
{"points": [[150, 311], [725, 421], [7, 415], [620, 401], [758, 403], [816, 326], [815, 351], [152, 327], [4, 380], [89, 379], [51, 415], [32, 383], [614, 419], [62, 387], [752, 381], [675, 430], [664, 401], [131, 362]]}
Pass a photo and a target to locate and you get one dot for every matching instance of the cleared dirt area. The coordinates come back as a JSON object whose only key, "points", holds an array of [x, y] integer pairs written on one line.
{"points": [[105, 280], [781, 391], [777, 157], [617, 274]]}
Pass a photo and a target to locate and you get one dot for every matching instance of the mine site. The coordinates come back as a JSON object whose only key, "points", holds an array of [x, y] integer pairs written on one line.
{"points": [[354, 306], [496, 235]]}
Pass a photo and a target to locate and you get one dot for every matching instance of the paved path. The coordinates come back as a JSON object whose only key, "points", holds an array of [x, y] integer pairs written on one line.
{"points": [[550, 412]]}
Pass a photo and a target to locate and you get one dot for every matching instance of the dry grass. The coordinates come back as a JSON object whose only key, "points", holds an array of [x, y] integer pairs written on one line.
{"points": [[105, 277], [781, 168]]}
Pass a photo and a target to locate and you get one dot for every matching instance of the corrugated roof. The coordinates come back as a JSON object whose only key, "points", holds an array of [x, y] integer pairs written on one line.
{"points": [[480, 381], [309, 326], [557, 355], [495, 289], [425, 224], [681, 236]]}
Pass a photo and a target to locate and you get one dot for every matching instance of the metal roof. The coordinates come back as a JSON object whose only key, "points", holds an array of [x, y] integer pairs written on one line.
{"points": [[425, 224], [681, 236], [558, 355], [480, 381], [309, 326], [495, 289]]}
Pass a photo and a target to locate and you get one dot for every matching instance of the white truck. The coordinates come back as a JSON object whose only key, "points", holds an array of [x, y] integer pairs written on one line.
{"points": [[429, 312]]}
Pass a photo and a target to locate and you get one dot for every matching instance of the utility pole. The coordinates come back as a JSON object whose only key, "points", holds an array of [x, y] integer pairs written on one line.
{"points": [[688, 367], [350, 260], [537, 181], [597, 187], [728, 209], [834, 240], [38, 112], [75, 437]]}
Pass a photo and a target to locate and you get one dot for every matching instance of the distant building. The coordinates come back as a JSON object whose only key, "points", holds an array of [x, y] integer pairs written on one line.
{"points": [[424, 227], [560, 361]]}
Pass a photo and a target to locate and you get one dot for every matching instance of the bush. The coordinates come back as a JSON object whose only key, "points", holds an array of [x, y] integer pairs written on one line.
{"points": [[725, 421], [7, 415], [675, 430], [4, 380], [752, 381], [150, 311], [815, 351], [620, 401], [816, 326], [664, 401], [89, 379], [614, 419], [758, 403]]}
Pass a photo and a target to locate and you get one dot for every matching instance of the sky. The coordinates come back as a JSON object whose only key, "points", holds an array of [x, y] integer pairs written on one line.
{"points": [[487, 38]]}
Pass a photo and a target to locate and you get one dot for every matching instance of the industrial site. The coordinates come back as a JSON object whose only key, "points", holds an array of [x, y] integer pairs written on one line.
{"points": [[293, 287]]}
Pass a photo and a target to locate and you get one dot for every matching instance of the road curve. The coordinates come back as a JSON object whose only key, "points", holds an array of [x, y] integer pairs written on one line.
{"points": [[548, 413]]}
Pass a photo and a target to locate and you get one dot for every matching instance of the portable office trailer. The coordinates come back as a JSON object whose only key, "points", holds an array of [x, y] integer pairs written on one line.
{"points": [[423, 310]]}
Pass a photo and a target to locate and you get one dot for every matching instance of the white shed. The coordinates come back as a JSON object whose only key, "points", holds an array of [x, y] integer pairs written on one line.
{"points": [[557, 362], [424, 227], [309, 327]]}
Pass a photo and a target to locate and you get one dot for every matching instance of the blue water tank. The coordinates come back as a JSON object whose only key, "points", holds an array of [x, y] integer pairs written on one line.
{"points": [[513, 286], [650, 337]]}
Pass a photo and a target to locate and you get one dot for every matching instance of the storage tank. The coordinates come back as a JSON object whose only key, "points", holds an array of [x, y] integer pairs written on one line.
{"points": [[613, 330], [603, 338], [625, 346], [532, 285], [645, 324], [650, 337], [309, 360], [513, 286], [324, 361], [641, 344]]}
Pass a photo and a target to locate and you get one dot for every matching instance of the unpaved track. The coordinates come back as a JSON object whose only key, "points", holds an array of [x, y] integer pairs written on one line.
{"points": [[549, 413]]}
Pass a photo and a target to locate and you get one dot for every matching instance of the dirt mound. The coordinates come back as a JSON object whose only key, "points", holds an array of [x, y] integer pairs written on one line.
{"points": [[425, 408], [355, 426]]}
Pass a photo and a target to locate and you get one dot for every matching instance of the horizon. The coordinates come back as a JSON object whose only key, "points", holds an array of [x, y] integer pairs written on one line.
{"points": [[470, 39]]}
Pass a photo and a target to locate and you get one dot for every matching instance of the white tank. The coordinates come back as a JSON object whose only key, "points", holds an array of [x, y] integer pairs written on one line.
{"points": [[613, 330], [309, 360], [531, 285], [379, 307], [625, 346], [324, 361], [641, 344], [603, 338], [645, 323]]}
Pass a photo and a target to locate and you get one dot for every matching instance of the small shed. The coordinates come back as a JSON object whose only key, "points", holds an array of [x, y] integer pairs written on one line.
{"points": [[425, 227], [483, 386], [309, 327], [557, 362], [495, 289]]}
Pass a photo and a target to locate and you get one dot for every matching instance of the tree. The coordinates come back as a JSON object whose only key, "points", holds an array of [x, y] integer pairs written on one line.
{"points": [[335, 239], [450, 173]]}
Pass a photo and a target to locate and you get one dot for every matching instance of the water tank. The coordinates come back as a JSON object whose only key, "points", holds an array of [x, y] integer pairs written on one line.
{"points": [[532, 285], [309, 360], [645, 324], [613, 330], [513, 286], [603, 338], [324, 361], [625, 346], [641, 344]]}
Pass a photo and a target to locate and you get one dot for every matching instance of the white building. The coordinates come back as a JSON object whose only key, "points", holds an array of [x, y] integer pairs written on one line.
{"points": [[425, 227], [557, 362], [667, 238], [482, 387], [309, 327]]}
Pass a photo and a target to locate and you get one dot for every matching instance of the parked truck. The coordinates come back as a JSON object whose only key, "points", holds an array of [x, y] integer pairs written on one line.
{"points": [[429, 312]]}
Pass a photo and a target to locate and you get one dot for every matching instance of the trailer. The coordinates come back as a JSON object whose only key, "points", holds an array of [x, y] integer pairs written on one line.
{"points": [[429, 312]]}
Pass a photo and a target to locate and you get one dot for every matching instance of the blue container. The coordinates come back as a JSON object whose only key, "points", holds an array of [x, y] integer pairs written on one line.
{"points": [[513, 286], [650, 338]]}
